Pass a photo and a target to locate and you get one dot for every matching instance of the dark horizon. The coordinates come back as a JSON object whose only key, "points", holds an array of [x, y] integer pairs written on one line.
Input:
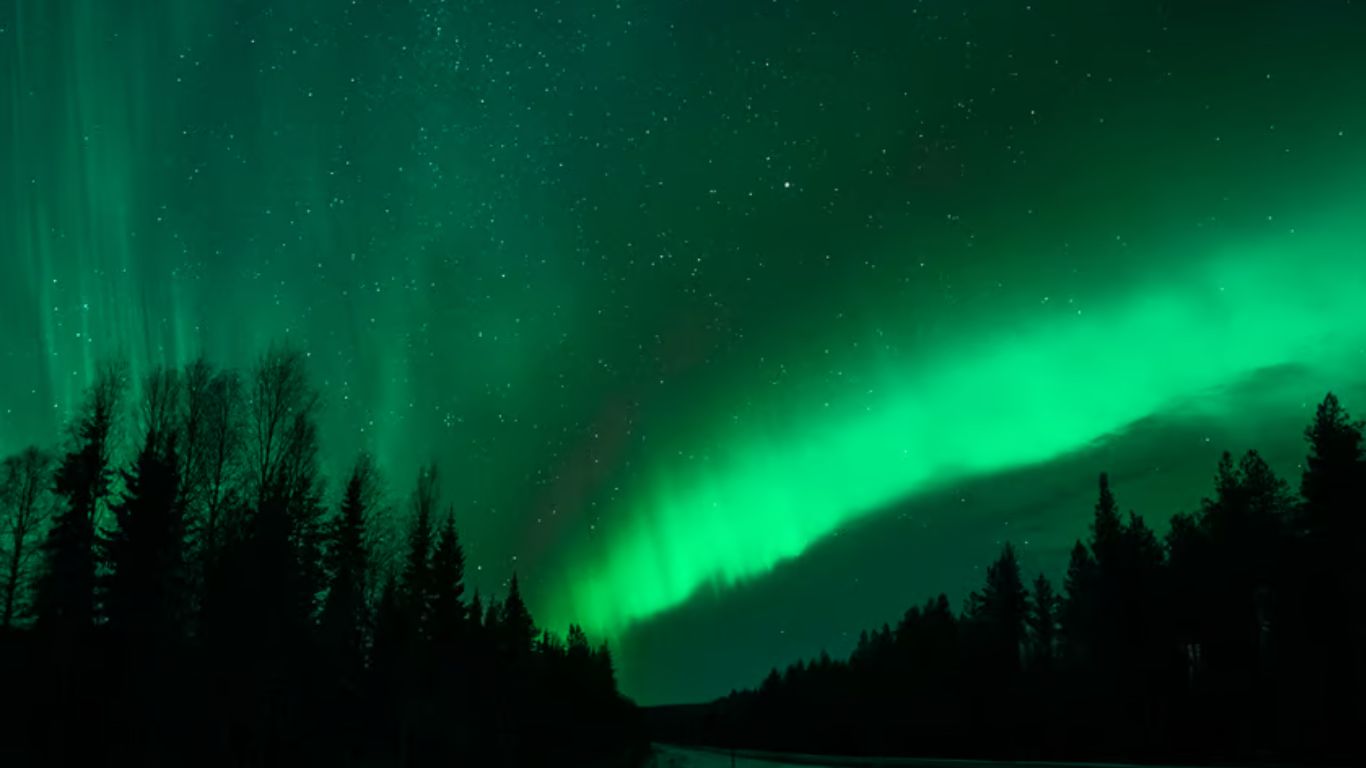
{"points": [[201, 603]]}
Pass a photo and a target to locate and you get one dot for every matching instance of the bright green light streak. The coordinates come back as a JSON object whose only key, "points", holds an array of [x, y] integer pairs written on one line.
{"points": [[1023, 395]]}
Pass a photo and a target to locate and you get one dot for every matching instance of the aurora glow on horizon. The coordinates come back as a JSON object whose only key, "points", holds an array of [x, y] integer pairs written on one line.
{"points": [[700, 304], [1074, 379]]}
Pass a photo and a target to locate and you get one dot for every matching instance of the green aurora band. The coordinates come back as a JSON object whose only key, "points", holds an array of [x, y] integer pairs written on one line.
{"points": [[1017, 397]]}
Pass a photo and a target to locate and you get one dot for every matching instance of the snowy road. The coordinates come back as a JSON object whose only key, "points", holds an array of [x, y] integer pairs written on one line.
{"points": [[669, 756]]}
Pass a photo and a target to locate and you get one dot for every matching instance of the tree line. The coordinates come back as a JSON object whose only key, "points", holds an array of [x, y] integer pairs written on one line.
{"points": [[202, 605], [1238, 636]]}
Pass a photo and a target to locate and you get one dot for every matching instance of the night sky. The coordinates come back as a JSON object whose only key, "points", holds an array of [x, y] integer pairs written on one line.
{"points": [[734, 326]]}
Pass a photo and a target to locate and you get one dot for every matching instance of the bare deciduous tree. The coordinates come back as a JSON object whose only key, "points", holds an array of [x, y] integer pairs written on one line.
{"points": [[25, 504], [161, 397], [211, 444], [280, 418]]}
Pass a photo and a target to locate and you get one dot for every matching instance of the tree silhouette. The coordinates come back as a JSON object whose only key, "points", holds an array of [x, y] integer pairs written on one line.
{"points": [[1043, 622], [1239, 637], [267, 573], [448, 610], [1332, 482], [25, 504], [195, 606], [476, 613], [1330, 573], [418, 586], [144, 587], [493, 613], [211, 446], [516, 628], [391, 641], [1106, 527], [345, 617], [1078, 598], [64, 602], [996, 617], [216, 616], [1000, 609]]}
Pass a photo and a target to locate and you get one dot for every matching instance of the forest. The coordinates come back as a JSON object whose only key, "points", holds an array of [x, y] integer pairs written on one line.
{"points": [[176, 590], [1239, 636], [200, 604]]}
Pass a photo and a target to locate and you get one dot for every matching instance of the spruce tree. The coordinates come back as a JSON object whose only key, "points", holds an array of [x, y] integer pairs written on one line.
{"points": [[65, 598], [1001, 608], [144, 589], [515, 623], [1043, 621], [1106, 527], [416, 579], [1079, 602], [448, 610], [345, 616], [1334, 482]]}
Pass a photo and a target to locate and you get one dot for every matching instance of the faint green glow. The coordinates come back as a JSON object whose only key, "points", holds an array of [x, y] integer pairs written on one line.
{"points": [[1021, 395], [80, 111]]}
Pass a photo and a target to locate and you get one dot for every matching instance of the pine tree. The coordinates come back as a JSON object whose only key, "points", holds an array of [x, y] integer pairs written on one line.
{"points": [[218, 518], [772, 683], [1078, 602], [516, 626], [391, 687], [1043, 621], [391, 632], [65, 598], [476, 611], [345, 615], [1001, 608], [493, 618], [144, 585], [606, 671], [1106, 527], [1226, 561], [1187, 573], [416, 580], [576, 643], [1331, 574], [1247, 519], [144, 589], [1334, 480], [448, 610]]}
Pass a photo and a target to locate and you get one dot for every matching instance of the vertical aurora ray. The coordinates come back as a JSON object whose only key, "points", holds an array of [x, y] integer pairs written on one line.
{"points": [[1018, 396], [84, 223]]}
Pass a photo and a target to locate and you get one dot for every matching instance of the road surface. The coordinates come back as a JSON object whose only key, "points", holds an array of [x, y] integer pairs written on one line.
{"points": [[670, 756]]}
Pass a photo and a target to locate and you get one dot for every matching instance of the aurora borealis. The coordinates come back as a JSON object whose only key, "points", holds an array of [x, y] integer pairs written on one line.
{"points": [[768, 498], [701, 304]]}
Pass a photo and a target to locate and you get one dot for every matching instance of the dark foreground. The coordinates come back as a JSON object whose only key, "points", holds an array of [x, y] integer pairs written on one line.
{"points": [[202, 605]]}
